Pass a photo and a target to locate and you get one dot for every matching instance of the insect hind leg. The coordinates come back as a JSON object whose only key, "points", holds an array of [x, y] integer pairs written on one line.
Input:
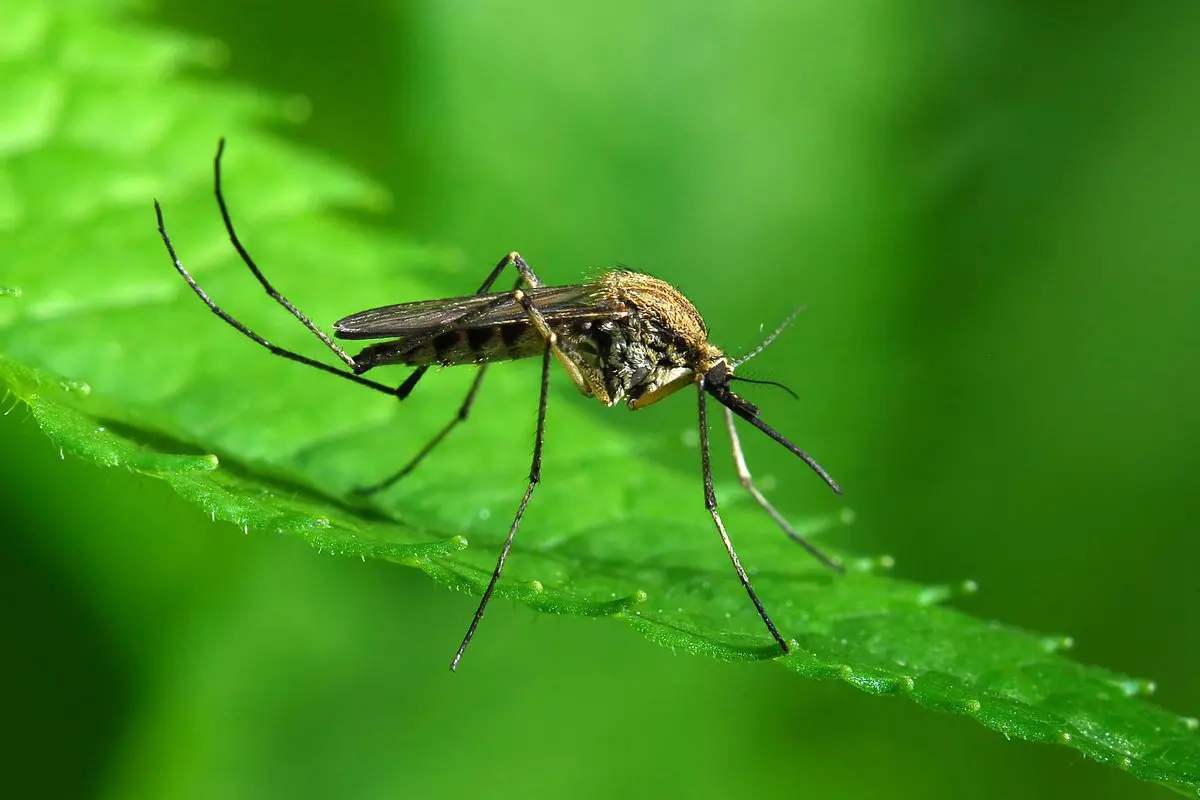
{"points": [[461, 416], [253, 267], [241, 328]]}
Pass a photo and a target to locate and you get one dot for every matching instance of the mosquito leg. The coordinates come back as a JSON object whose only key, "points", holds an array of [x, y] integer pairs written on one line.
{"points": [[401, 391], [461, 416], [527, 274], [275, 295], [279, 351], [405, 388], [710, 502], [535, 476], [748, 482]]}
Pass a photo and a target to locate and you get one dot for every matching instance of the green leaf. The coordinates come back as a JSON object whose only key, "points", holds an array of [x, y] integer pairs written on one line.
{"points": [[121, 365]]}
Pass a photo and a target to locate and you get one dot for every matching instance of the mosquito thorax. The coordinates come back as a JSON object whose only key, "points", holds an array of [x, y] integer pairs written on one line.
{"points": [[654, 344]]}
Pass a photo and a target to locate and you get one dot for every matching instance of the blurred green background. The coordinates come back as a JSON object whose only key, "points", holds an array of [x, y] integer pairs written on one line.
{"points": [[989, 211]]}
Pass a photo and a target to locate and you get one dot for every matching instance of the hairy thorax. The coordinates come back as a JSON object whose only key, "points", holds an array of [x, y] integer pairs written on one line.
{"points": [[647, 352]]}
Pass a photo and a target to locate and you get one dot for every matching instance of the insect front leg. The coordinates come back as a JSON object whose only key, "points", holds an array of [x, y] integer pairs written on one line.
{"points": [[710, 503]]}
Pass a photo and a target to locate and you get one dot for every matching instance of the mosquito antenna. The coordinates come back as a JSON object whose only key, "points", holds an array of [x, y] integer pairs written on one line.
{"points": [[775, 333], [764, 383], [749, 413]]}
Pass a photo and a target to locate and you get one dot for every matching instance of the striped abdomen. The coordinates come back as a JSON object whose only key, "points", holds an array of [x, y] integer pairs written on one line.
{"points": [[458, 346]]}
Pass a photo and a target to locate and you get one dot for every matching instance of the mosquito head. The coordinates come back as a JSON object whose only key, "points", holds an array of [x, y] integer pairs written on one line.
{"points": [[717, 380]]}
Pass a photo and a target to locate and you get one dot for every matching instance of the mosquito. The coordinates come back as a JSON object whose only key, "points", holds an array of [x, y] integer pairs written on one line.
{"points": [[624, 336]]}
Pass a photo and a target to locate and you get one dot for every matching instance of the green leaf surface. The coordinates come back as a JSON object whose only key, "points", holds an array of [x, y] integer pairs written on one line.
{"points": [[121, 365]]}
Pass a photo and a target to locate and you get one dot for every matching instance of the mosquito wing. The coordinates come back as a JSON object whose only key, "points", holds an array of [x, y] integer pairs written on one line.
{"points": [[471, 330], [425, 317]]}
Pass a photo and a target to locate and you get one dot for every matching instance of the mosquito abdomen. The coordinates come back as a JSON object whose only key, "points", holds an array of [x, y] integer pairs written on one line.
{"points": [[458, 346]]}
